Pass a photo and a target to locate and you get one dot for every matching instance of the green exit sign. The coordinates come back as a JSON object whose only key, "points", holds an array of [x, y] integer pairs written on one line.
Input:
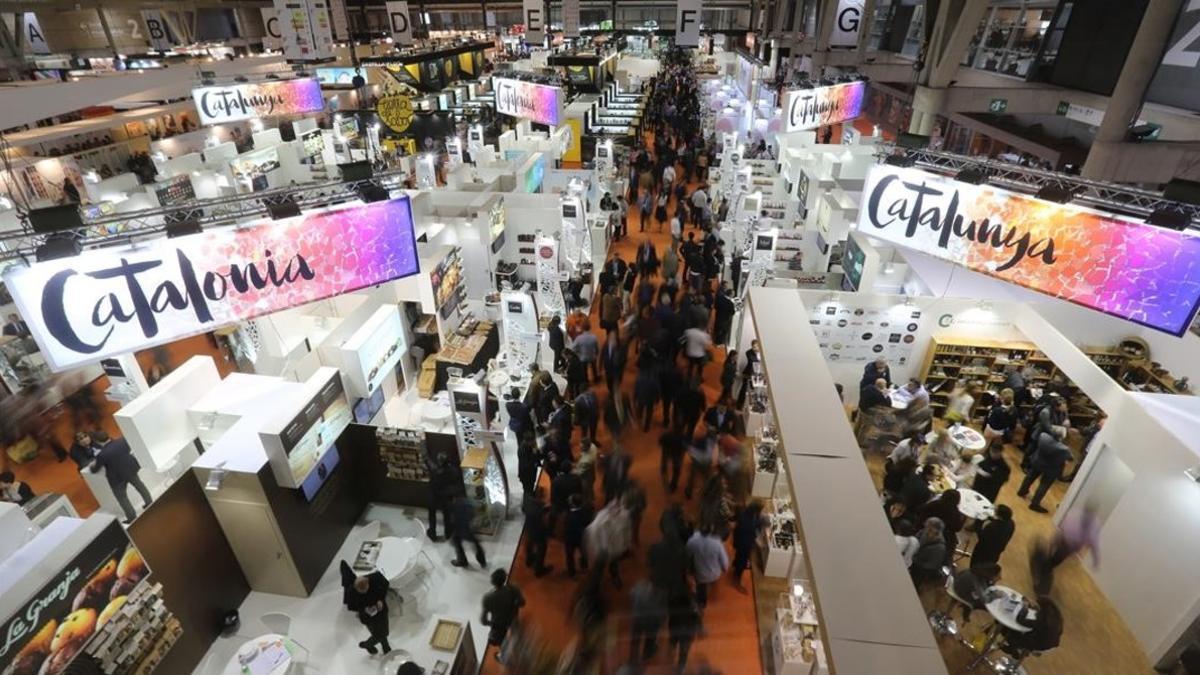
{"points": [[1063, 108], [998, 105]]}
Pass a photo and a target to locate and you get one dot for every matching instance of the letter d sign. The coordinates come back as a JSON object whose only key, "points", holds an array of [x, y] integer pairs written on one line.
{"points": [[687, 23], [398, 19]]}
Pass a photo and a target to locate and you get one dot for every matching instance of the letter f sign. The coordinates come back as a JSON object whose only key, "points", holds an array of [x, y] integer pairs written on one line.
{"points": [[687, 28]]}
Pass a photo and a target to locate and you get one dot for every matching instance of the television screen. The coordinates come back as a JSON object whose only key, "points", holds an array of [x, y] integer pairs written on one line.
{"points": [[366, 408], [325, 466]]}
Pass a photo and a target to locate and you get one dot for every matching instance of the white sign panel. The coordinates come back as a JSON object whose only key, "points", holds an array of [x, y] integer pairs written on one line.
{"points": [[570, 9], [35, 39], [237, 102], [847, 24], [322, 26], [687, 23], [537, 102], [295, 26], [156, 30], [272, 37], [535, 21], [399, 22]]}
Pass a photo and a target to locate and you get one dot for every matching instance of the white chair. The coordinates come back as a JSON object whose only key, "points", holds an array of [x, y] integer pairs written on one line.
{"points": [[277, 622]]}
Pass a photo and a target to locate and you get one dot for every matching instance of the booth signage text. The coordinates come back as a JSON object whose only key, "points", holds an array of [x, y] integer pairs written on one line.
{"points": [[1138, 272], [113, 301], [812, 108], [234, 103], [536, 102]]}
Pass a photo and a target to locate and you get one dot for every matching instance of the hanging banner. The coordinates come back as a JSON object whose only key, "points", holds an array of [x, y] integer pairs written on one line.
{"points": [[236, 102], [341, 23], [322, 26], [687, 23], [399, 22], [396, 112], [122, 300], [1137, 272], [812, 108], [570, 10], [157, 31], [847, 24], [535, 21], [536, 102], [35, 38], [272, 37], [55, 624], [295, 27]]}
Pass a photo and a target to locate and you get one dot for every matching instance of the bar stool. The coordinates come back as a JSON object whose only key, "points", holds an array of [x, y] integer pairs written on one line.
{"points": [[940, 621]]}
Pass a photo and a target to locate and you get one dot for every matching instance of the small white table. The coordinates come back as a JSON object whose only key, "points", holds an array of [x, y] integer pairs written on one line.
{"points": [[396, 556], [900, 398], [974, 505], [1006, 606], [964, 438], [271, 655]]}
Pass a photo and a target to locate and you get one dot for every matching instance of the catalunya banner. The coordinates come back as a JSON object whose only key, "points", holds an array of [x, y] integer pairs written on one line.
{"points": [[238, 102], [113, 301], [1137, 272], [811, 108], [536, 102]]}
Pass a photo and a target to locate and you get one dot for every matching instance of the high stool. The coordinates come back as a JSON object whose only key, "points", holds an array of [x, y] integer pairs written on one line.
{"points": [[940, 621]]}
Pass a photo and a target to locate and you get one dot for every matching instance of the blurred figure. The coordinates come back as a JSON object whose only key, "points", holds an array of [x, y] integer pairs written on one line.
{"points": [[649, 609], [464, 530], [750, 524], [501, 605], [1077, 533]]}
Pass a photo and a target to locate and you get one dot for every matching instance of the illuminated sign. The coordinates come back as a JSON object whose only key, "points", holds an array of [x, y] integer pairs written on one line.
{"points": [[336, 76], [113, 301], [812, 108], [536, 102], [238, 102], [1134, 271]]}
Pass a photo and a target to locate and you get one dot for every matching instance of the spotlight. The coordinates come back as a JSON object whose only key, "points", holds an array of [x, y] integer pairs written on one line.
{"points": [[284, 208], [900, 160], [59, 245], [972, 176], [1053, 193], [1169, 219], [183, 228]]}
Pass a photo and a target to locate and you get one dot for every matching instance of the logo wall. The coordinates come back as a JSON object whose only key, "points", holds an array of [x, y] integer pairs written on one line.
{"points": [[1133, 271], [113, 301]]}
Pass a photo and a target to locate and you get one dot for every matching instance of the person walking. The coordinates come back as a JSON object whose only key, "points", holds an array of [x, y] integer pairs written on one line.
{"points": [[369, 601], [120, 470], [537, 531], [649, 613], [1077, 532], [445, 483], [587, 348], [645, 394], [993, 537], [608, 538], [464, 530], [558, 342], [1047, 463], [709, 561], [683, 625], [579, 516], [501, 607]]}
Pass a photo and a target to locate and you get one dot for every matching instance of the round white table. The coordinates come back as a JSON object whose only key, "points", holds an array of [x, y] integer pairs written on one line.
{"points": [[396, 556], [964, 438], [974, 505], [900, 398], [269, 653], [1005, 607]]}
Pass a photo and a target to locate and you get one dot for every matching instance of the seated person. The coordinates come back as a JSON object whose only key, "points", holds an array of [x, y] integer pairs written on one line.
{"points": [[971, 585], [941, 451], [13, 490], [1046, 625], [931, 551]]}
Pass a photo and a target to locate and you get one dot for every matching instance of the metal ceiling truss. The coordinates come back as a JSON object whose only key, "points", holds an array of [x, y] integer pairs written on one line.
{"points": [[221, 211], [1115, 197]]}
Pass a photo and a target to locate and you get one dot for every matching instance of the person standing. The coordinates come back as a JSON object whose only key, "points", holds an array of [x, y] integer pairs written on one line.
{"points": [[501, 606], [701, 452], [992, 473], [445, 482], [464, 530], [369, 602], [537, 531], [121, 470], [689, 406], [579, 516], [84, 450], [683, 625], [993, 537], [752, 356], [558, 342], [673, 446], [723, 309], [875, 370], [610, 310], [709, 561], [587, 412], [750, 524], [696, 344], [15, 327], [645, 394]]}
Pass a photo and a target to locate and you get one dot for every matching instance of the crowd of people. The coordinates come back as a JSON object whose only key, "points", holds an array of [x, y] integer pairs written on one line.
{"points": [[666, 311]]}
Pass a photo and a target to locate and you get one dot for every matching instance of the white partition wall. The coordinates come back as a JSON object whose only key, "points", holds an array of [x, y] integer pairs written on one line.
{"points": [[157, 425]]}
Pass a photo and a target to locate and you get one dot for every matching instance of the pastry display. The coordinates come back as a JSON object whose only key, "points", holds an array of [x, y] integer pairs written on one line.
{"points": [[72, 634], [94, 593], [29, 660]]}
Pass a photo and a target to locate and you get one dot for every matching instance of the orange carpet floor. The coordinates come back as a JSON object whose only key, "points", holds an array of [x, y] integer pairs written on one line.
{"points": [[731, 642]]}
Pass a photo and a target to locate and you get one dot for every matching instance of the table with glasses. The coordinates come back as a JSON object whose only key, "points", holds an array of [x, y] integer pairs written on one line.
{"points": [[268, 654], [1005, 605], [964, 438]]}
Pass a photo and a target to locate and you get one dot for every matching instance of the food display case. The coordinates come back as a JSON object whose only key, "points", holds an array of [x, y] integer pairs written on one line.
{"points": [[796, 645]]}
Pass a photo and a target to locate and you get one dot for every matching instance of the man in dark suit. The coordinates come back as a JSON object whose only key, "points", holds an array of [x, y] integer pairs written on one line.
{"points": [[121, 469], [16, 327], [721, 418], [1047, 463], [84, 450], [724, 309]]}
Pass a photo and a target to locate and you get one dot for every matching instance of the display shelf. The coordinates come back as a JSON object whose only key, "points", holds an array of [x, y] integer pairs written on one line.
{"points": [[795, 643], [779, 550], [403, 453], [137, 634]]}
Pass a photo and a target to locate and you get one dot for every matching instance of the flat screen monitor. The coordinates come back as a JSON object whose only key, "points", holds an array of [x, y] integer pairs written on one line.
{"points": [[325, 466], [366, 408]]}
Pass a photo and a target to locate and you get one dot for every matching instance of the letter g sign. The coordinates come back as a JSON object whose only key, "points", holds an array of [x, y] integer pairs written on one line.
{"points": [[849, 19]]}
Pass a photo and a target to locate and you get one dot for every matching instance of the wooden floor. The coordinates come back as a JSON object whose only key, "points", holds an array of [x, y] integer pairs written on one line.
{"points": [[1095, 639]]}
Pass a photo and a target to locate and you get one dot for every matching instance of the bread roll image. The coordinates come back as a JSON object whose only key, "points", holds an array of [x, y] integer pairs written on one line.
{"points": [[70, 637], [132, 566], [110, 609], [94, 593], [29, 660]]}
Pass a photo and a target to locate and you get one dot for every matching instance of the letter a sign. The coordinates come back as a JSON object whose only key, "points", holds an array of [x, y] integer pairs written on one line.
{"points": [[687, 23], [156, 30], [535, 22], [399, 23]]}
